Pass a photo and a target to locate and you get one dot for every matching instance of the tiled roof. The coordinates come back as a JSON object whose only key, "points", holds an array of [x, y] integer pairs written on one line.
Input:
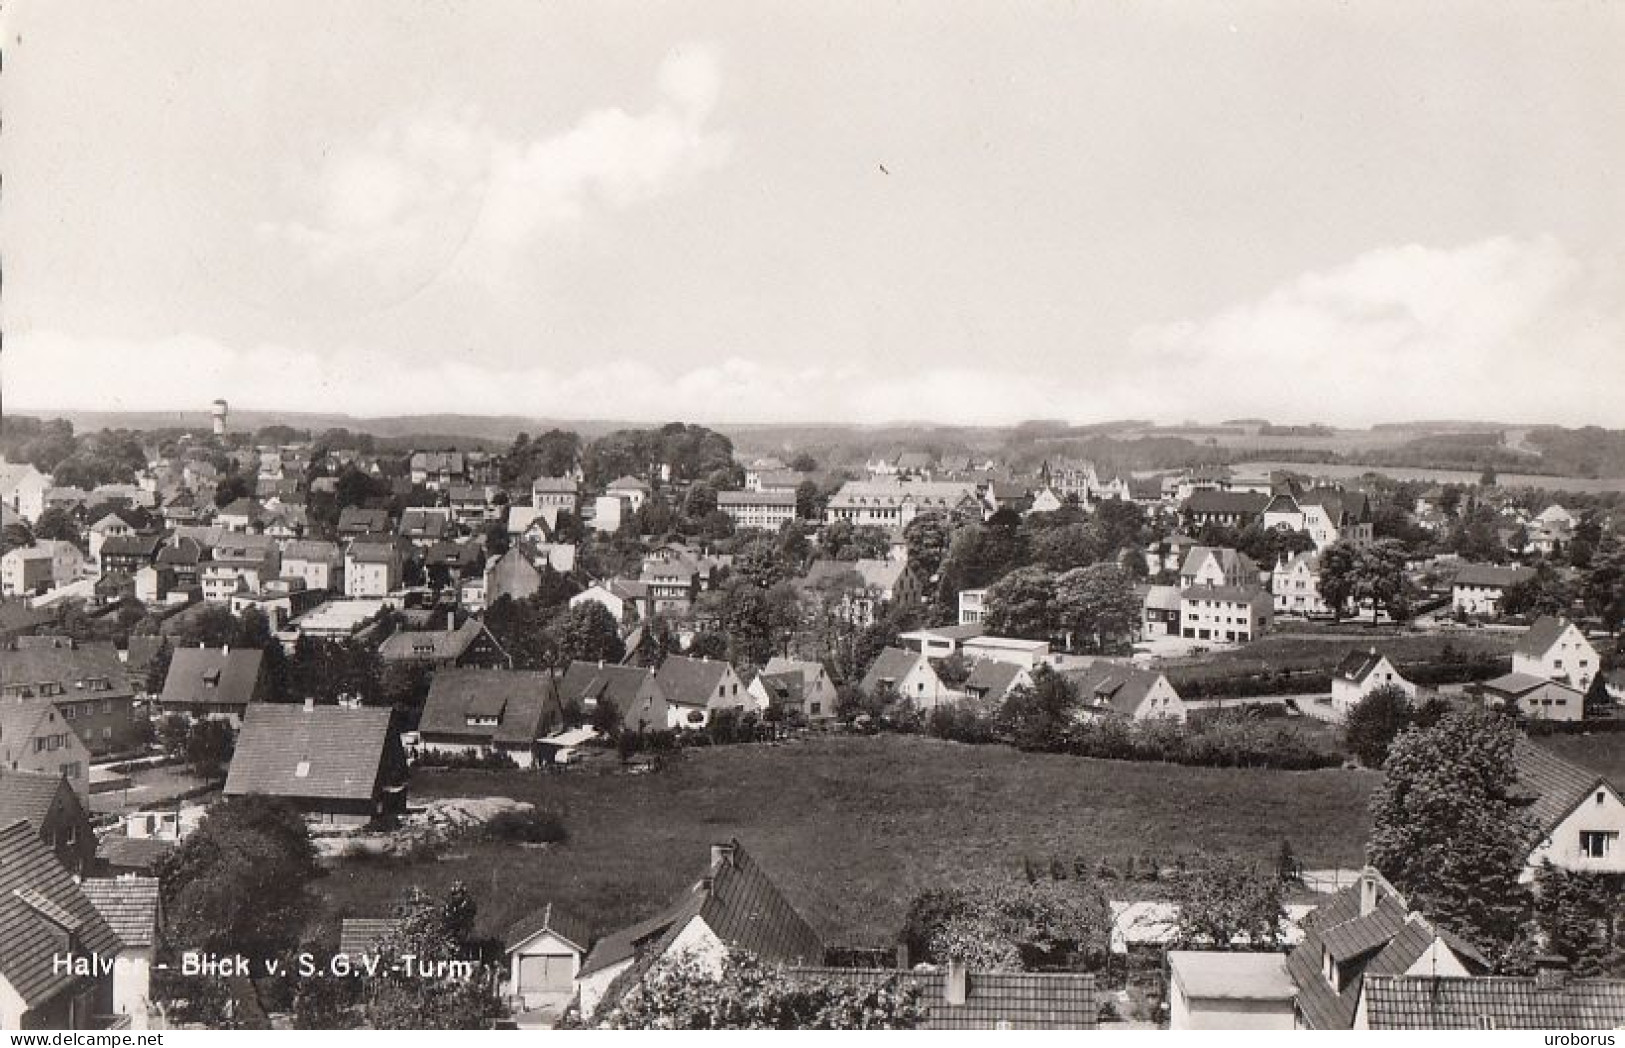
{"points": [[549, 918], [129, 905], [1227, 502], [312, 550], [372, 552], [361, 935], [67, 665], [1517, 684], [892, 664], [627, 483], [29, 795], [1357, 665], [617, 685], [326, 752], [554, 485], [1557, 785], [354, 518], [993, 1000], [1491, 576], [1228, 594], [625, 943], [1493, 1003], [690, 682], [132, 546], [131, 853], [1118, 686], [517, 699], [210, 677], [40, 906], [992, 677], [1538, 639], [435, 645]]}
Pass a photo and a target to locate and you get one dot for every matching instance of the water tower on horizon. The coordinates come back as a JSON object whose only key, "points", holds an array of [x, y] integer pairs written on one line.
{"points": [[218, 412]]}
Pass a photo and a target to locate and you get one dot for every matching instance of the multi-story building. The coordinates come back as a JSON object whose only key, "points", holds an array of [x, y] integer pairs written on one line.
{"points": [[85, 683], [1554, 648], [1326, 515], [1478, 588], [972, 606], [1295, 585], [1224, 613], [48, 563], [555, 495], [768, 511], [238, 567], [372, 569], [319, 564], [893, 503]]}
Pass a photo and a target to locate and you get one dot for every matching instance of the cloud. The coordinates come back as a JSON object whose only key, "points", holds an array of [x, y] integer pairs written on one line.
{"points": [[1515, 329], [421, 189]]}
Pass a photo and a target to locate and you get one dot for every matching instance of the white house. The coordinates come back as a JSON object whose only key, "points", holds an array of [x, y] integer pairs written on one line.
{"points": [[1555, 648], [895, 502], [1212, 990], [1326, 515], [1115, 688], [633, 490], [1581, 815], [1295, 586], [1224, 613], [45, 565], [609, 512], [1217, 566], [767, 510], [1359, 674], [1477, 588], [371, 569], [23, 488], [911, 676], [972, 606]]}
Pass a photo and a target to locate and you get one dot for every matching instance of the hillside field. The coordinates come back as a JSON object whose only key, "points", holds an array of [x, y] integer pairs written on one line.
{"points": [[854, 827]]}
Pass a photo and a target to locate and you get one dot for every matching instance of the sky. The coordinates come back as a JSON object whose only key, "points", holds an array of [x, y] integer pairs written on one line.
{"points": [[843, 211]]}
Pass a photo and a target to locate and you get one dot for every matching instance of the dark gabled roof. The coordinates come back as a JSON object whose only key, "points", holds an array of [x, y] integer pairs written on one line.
{"points": [[549, 918], [354, 518], [326, 752], [131, 853], [518, 699], [235, 676], [892, 664], [992, 677], [1538, 639], [424, 520], [30, 796], [617, 685], [361, 935], [690, 682], [41, 911], [993, 1000], [1491, 575], [1114, 685], [1557, 786], [129, 905], [408, 645], [60, 661], [627, 483], [1229, 594], [1517, 685], [624, 944], [1357, 665], [132, 546], [1419, 1002]]}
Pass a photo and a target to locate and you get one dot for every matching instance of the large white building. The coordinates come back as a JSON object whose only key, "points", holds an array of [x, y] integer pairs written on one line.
{"points": [[767, 510], [893, 503]]}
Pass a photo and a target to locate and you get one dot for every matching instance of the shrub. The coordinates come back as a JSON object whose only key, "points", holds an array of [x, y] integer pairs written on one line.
{"points": [[528, 827]]}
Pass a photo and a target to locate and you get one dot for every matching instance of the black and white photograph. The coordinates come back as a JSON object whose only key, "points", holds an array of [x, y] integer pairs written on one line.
{"points": [[603, 515]]}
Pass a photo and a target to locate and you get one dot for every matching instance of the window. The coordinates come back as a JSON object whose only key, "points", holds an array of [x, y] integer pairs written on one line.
{"points": [[1597, 844]]}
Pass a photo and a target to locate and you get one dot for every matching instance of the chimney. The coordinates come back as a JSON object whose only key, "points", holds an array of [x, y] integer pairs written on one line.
{"points": [[721, 855], [902, 956], [1368, 890], [310, 704], [225, 649], [1551, 974], [956, 987]]}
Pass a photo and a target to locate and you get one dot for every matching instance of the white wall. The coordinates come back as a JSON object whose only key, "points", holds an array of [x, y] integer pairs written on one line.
{"points": [[1564, 849]]}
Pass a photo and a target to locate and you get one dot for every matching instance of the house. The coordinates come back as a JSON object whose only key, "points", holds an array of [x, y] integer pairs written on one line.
{"points": [[672, 585], [242, 565], [511, 575], [1537, 697], [35, 737], [609, 512], [1045, 500], [1556, 649], [766, 510], [51, 806], [1547, 1000], [1214, 990], [815, 691], [320, 564], [1478, 588], [32, 570], [910, 675], [954, 997], [1231, 509], [479, 711], [354, 522], [470, 644], [1361, 673], [1217, 566], [372, 569], [133, 908], [423, 526], [1159, 612], [756, 468], [1295, 586], [734, 906], [778, 481], [85, 682], [1007, 494], [1119, 689], [893, 503], [555, 495], [339, 764], [447, 564], [696, 688], [361, 937], [242, 515], [204, 682], [115, 524], [1071, 479], [185, 556], [1224, 613], [625, 599], [634, 491], [45, 916], [1029, 654], [437, 470], [472, 504], [939, 642], [992, 680], [1327, 515], [972, 606], [1579, 813], [1168, 554], [544, 951], [22, 489], [633, 691]]}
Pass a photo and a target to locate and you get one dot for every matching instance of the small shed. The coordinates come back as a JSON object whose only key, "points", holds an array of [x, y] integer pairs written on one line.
{"points": [[544, 953]]}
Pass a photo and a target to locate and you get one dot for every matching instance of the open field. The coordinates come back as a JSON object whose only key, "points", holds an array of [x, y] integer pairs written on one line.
{"points": [[1603, 753], [1344, 471], [853, 827], [1275, 653]]}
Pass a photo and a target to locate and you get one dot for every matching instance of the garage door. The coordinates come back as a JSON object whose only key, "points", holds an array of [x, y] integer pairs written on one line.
{"points": [[544, 973]]}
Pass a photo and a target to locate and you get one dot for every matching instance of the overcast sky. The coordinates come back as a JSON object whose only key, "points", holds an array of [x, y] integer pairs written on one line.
{"points": [[865, 211]]}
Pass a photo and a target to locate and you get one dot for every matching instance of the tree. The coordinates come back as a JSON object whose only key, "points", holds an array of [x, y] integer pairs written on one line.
{"points": [[927, 537], [1374, 573], [1603, 583], [1544, 593], [1022, 604], [209, 745], [1450, 830], [438, 936], [741, 993], [701, 502], [1037, 717], [1581, 918], [1375, 721], [1227, 904], [55, 524], [1009, 923], [589, 633], [810, 501], [1096, 604], [237, 884]]}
